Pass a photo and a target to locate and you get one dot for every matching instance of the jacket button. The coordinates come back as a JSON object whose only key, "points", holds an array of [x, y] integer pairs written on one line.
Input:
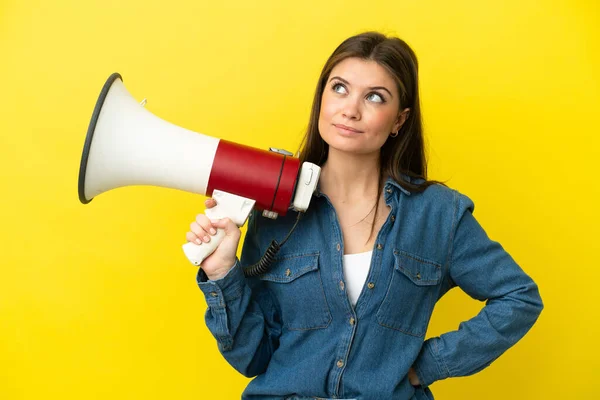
{"points": [[340, 363], [393, 218], [214, 294], [418, 275], [379, 246], [352, 321], [338, 247], [370, 285], [341, 285], [389, 190], [288, 272]]}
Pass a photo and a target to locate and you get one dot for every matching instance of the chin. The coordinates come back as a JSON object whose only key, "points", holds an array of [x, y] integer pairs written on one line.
{"points": [[350, 145], [358, 149]]}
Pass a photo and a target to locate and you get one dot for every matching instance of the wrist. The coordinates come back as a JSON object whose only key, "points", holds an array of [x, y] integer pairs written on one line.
{"points": [[217, 275], [220, 273]]}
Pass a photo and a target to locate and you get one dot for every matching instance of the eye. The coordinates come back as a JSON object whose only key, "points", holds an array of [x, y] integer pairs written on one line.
{"points": [[377, 98], [373, 96], [338, 85]]}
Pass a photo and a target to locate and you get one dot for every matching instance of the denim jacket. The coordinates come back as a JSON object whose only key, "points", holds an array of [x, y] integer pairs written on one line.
{"points": [[296, 331]]}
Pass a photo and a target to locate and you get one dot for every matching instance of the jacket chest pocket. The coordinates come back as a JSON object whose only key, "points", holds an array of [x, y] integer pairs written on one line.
{"points": [[410, 298], [296, 282]]}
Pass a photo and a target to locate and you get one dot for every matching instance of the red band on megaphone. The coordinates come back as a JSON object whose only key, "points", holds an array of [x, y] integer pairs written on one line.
{"points": [[264, 176]]}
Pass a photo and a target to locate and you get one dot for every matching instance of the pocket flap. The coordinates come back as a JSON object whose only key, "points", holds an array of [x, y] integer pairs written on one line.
{"points": [[289, 267], [420, 271]]}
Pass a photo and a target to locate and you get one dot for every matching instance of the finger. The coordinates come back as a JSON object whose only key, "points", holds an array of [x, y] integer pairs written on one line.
{"points": [[191, 237], [199, 231], [204, 222], [210, 203], [226, 223]]}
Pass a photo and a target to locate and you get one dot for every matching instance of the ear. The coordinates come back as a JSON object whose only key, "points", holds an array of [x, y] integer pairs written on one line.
{"points": [[402, 117]]}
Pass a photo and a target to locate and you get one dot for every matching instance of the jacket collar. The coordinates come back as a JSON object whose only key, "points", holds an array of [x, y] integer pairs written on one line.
{"points": [[391, 182]]}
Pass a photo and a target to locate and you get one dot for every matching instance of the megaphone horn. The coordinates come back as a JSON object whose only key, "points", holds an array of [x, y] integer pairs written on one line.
{"points": [[128, 145]]}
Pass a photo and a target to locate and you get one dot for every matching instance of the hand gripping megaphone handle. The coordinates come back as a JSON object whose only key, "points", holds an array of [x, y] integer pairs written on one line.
{"points": [[234, 207], [196, 253]]}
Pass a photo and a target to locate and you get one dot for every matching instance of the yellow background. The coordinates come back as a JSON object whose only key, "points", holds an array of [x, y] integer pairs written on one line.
{"points": [[99, 302]]}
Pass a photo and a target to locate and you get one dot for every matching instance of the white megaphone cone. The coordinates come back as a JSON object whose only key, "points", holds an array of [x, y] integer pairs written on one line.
{"points": [[128, 145]]}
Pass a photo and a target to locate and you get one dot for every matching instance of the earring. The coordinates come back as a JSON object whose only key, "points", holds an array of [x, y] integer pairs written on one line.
{"points": [[394, 134]]}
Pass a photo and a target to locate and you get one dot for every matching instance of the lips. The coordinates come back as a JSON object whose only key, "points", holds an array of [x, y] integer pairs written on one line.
{"points": [[347, 128]]}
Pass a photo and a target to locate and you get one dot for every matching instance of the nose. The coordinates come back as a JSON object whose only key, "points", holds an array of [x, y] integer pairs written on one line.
{"points": [[351, 108]]}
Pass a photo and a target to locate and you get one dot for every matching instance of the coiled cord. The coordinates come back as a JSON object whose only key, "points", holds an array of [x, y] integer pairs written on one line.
{"points": [[263, 265]]}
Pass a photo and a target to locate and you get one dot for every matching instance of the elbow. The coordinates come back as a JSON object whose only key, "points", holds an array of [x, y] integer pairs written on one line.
{"points": [[536, 302], [520, 310], [533, 304], [539, 304]]}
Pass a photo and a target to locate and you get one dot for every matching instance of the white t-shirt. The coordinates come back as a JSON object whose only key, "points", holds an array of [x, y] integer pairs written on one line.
{"points": [[356, 269]]}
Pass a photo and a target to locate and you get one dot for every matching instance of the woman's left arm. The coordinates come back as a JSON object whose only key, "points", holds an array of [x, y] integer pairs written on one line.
{"points": [[485, 271]]}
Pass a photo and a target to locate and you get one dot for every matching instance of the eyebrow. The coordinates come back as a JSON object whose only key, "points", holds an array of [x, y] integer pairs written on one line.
{"points": [[371, 88]]}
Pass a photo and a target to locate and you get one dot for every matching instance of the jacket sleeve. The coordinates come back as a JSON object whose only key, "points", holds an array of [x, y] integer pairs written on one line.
{"points": [[243, 319], [485, 271]]}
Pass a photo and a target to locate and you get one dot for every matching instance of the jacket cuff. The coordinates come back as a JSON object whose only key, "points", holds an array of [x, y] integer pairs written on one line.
{"points": [[222, 290], [429, 366]]}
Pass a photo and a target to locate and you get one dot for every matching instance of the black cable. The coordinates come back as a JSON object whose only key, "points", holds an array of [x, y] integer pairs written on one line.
{"points": [[267, 259]]}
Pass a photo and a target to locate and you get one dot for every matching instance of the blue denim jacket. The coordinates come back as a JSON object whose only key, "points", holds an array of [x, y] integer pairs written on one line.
{"points": [[296, 331]]}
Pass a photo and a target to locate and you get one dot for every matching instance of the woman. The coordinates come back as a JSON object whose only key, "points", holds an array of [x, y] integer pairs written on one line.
{"points": [[344, 309]]}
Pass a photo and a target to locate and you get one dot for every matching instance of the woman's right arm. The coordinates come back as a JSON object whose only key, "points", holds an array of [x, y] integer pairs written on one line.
{"points": [[243, 320]]}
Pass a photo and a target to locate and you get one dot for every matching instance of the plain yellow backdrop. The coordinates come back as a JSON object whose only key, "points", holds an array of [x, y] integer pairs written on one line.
{"points": [[98, 301]]}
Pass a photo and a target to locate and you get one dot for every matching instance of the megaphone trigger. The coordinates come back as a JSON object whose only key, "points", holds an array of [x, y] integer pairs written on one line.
{"points": [[232, 206]]}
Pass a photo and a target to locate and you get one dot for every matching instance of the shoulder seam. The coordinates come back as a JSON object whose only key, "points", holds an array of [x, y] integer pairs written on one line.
{"points": [[455, 217]]}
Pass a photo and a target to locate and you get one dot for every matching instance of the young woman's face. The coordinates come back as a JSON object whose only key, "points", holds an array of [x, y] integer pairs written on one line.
{"points": [[359, 107]]}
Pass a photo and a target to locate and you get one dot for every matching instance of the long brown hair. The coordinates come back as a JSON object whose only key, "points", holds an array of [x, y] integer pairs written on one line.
{"points": [[404, 154]]}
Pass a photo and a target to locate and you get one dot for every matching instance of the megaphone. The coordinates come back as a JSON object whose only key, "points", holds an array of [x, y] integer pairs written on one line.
{"points": [[128, 145]]}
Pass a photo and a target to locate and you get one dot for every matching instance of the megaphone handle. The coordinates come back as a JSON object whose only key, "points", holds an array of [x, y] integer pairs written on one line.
{"points": [[196, 253], [229, 205]]}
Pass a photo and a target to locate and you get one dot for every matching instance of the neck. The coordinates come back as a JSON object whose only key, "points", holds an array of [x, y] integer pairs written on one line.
{"points": [[350, 176]]}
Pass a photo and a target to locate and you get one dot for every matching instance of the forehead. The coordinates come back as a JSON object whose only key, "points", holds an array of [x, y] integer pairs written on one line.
{"points": [[363, 73]]}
